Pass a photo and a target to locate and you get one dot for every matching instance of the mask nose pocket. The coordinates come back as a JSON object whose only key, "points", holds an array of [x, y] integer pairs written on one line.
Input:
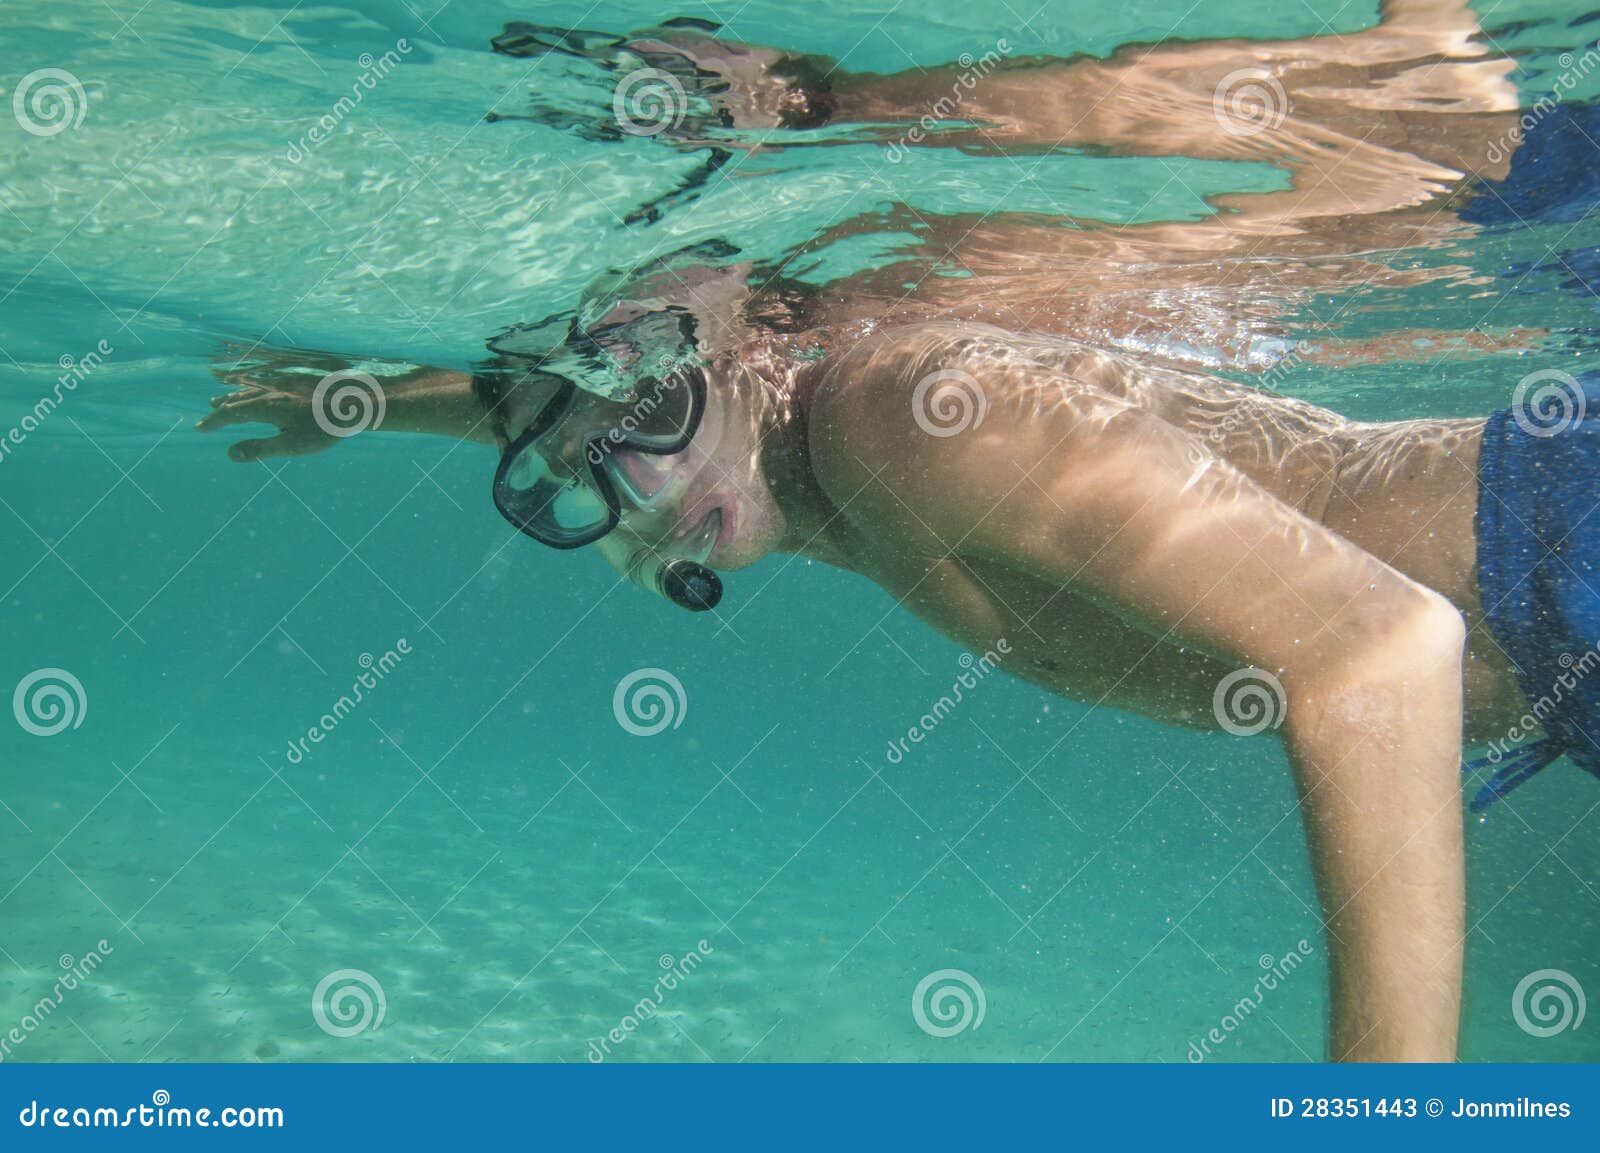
{"points": [[641, 477]]}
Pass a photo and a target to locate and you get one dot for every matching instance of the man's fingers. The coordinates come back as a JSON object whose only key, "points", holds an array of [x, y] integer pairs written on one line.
{"points": [[224, 415], [241, 379], [291, 442], [248, 450], [247, 393], [261, 448], [241, 371]]}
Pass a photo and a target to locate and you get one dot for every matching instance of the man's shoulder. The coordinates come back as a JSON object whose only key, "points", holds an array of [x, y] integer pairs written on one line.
{"points": [[940, 377], [887, 390], [920, 407]]}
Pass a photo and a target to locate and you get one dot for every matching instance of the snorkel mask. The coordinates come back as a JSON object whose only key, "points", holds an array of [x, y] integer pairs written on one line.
{"points": [[624, 431]]}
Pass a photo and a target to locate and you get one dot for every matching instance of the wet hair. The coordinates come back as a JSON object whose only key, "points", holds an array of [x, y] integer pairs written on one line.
{"points": [[781, 303], [810, 101]]}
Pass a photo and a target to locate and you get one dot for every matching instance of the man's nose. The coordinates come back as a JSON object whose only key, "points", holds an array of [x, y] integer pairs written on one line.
{"points": [[644, 475]]}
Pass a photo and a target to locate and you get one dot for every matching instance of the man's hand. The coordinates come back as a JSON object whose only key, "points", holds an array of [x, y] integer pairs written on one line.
{"points": [[271, 386], [279, 386]]}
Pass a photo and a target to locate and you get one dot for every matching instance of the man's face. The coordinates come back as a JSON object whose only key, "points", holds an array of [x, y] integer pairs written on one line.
{"points": [[709, 501], [714, 492]]}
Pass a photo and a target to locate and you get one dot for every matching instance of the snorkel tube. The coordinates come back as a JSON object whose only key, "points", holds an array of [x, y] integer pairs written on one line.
{"points": [[687, 583]]}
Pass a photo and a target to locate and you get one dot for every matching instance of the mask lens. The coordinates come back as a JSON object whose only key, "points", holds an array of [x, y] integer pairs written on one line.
{"points": [[577, 509], [558, 482], [562, 511], [661, 416]]}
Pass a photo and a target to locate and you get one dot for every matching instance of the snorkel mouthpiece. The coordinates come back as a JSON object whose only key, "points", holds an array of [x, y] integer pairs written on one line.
{"points": [[686, 583], [689, 585]]}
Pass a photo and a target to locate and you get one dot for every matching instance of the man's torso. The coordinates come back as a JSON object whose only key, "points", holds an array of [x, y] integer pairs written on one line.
{"points": [[1405, 492]]}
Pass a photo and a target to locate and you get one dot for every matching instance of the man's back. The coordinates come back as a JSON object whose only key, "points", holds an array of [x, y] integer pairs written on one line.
{"points": [[1403, 493]]}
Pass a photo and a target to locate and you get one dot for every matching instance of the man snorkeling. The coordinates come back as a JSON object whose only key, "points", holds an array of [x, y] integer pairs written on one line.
{"points": [[1138, 530]]}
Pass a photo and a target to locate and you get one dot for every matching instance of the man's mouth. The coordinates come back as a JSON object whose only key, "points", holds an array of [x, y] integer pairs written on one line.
{"points": [[699, 542]]}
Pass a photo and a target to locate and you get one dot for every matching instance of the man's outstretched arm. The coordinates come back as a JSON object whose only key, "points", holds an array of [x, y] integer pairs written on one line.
{"points": [[278, 387], [1125, 510]]}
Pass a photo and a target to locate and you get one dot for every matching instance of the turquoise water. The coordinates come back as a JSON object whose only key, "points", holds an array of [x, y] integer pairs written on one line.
{"points": [[481, 837]]}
